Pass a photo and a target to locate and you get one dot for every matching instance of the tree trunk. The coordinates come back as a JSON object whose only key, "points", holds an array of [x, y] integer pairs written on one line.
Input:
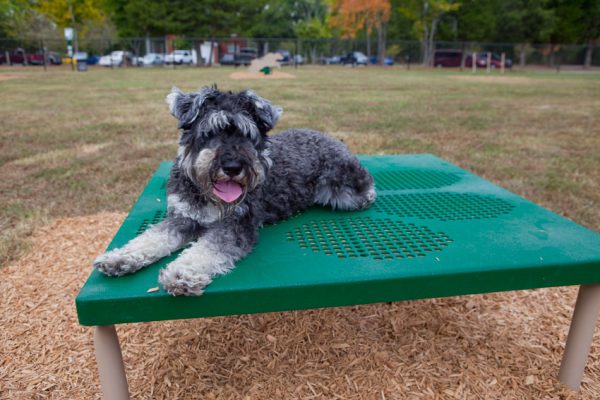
{"points": [[368, 34], [381, 43], [522, 56], [425, 40], [431, 41], [587, 63]]}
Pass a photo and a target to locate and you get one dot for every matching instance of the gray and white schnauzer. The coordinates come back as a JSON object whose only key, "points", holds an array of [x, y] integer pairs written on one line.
{"points": [[229, 178]]}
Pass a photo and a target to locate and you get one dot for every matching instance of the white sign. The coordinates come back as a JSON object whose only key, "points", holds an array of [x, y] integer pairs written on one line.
{"points": [[69, 33]]}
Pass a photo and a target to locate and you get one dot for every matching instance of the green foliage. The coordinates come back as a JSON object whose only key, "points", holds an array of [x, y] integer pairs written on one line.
{"points": [[511, 21], [274, 21], [475, 20], [524, 21], [312, 28], [19, 19]]}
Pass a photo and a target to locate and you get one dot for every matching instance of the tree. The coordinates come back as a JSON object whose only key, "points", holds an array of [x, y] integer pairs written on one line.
{"points": [[311, 22], [591, 28], [475, 20], [353, 15], [524, 22], [427, 15], [77, 14], [274, 21], [577, 21]]}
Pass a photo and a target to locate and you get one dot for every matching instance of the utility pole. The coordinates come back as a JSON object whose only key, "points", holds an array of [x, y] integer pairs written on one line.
{"points": [[75, 36]]}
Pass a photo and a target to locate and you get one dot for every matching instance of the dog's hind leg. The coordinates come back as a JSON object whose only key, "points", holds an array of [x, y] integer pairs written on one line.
{"points": [[213, 254], [345, 186], [156, 242]]}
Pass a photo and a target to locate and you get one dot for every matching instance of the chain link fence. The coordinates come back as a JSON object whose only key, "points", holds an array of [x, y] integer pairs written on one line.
{"points": [[228, 51]]}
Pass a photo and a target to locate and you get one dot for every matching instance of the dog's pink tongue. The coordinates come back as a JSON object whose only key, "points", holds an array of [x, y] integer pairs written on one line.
{"points": [[227, 191]]}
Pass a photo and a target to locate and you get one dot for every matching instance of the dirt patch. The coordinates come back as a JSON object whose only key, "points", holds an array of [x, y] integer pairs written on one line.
{"points": [[257, 75], [494, 79], [504, 345], [5, 77]]}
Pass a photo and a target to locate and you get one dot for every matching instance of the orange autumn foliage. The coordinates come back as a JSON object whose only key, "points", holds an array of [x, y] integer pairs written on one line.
{"points": [[353, 15]]}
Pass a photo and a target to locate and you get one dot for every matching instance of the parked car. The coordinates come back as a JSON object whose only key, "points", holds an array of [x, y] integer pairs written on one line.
{"points": [[54, 58], [245, 56], [354, 58], [227, 59], [285, 57], [90, 60], [298, 59], [180, 57], [386, 60], [447, 58], [330, 60], [495, 62], [20, 56], [150, 59], [116, 58]]}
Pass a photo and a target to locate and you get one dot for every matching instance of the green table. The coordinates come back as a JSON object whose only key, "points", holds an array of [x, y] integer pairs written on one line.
{"points": [[435, 230]]}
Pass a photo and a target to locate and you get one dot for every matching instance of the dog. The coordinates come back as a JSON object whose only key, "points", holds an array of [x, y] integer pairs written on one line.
{"points": [[229, 178]]}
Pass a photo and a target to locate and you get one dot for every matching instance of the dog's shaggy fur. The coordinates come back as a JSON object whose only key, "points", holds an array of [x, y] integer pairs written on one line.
{"points": [[230, 178]]}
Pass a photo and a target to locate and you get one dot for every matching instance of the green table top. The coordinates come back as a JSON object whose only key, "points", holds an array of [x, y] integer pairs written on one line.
{"points": [[435, 230]]}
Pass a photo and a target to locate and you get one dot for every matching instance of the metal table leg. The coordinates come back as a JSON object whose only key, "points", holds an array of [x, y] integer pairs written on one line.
{"points": [[580, 336], [110, 364]]}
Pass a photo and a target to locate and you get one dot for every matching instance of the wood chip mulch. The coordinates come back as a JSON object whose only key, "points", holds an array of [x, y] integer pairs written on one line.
{"points": [[493, 346]]}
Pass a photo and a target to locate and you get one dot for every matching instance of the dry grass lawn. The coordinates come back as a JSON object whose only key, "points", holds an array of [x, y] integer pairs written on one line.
{"points": [[76, 149]]}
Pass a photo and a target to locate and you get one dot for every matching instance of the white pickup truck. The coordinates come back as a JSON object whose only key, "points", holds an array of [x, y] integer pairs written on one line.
{"points": [[180, 57]]}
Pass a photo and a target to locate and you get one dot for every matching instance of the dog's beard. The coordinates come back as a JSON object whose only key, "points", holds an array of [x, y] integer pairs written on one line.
{"points": [[219, 188]]}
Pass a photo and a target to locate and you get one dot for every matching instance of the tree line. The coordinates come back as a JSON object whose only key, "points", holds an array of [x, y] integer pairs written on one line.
{"points": [[373, 21]]}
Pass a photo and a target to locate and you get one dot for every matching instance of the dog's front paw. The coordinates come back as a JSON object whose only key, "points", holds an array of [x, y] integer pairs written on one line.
{"points": [[182, 280], [114, 264]]}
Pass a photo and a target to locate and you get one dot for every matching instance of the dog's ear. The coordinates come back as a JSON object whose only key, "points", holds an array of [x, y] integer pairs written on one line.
{"points": [[186, 106], [267, 114]]}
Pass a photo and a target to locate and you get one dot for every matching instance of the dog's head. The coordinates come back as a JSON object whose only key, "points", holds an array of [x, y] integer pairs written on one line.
{"points": [[224, 147]]}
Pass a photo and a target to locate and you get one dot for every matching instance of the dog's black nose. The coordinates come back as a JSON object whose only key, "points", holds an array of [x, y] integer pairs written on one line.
{"points": [[232, 167]]}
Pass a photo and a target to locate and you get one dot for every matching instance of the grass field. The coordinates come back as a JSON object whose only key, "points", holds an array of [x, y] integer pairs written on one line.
{"points": [[83, 145], [79, 143]]}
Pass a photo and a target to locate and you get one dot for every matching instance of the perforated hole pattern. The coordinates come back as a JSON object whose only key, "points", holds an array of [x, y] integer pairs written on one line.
{"points": [[413, 179], [156, 218], [443, 206], [381, 239]]}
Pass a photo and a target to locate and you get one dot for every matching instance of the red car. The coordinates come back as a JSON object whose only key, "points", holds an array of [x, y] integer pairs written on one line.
{"points": [[20, 56], [447, 58], [452, 58], [495, 62]]}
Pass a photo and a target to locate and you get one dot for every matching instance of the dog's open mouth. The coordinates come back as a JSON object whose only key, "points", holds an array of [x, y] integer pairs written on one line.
{"points": [[228, 191]]}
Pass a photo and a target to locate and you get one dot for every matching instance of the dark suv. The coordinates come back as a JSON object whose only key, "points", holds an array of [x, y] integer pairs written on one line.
{"points": [[447, 58], [245, 56]]}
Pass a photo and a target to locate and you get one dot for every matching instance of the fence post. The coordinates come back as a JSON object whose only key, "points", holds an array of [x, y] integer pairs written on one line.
{"points": [[294, 55], [502, 62], [43, 54], [474, 62], [8, 61], [488, 62], [173, 52]]}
